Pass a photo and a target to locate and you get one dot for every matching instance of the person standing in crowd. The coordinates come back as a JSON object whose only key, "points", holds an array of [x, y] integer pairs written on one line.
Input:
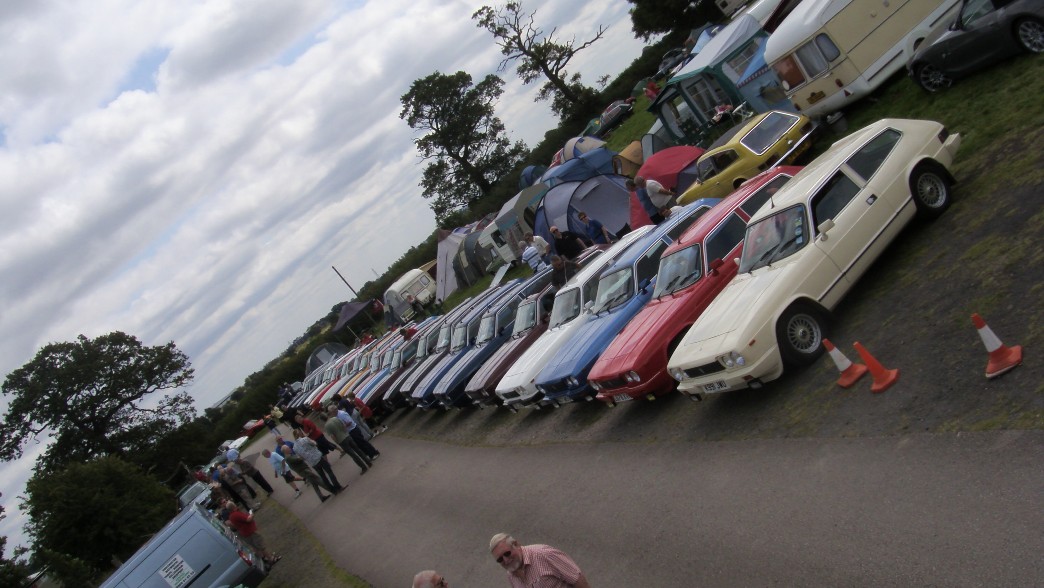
{"points": [[562, 270], [567, 244], [357, 437], [225, 487], [282, 470], [531, 256], [246, 528], [297, 464], [247, 468], [407, 333], [348, 405], [309, 451], [535, 566], [230, 475], [270, 422], [338, 431], [542, 246], [364, 416], [657, 214], [315, 434], [429, 579], [596, 231]]}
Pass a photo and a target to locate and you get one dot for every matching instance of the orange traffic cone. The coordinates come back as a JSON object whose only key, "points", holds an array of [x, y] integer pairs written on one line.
{"points": [[1003, 359], [883, 378], [850, 372]]}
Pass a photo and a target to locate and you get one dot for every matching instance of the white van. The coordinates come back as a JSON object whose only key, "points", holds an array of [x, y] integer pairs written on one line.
{"points": [[830, 53], [416, 283]]}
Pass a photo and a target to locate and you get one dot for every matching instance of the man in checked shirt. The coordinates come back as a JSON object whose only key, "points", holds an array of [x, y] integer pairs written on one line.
{"points": [[535, 566]]}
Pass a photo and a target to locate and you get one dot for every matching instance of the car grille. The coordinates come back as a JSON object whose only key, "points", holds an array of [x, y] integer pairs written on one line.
{"points": [[558, 386], [510, 394], [614, 383], [703, 370]]}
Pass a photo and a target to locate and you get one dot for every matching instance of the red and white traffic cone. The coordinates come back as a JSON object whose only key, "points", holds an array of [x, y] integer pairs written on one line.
{"points": [[883, 378], [1003, 359], [850, 372]]}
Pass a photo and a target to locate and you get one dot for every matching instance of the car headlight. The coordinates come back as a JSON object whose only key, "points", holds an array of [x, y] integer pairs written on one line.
{"points": [[595, 385], [632, 377], [732, 359], [572, 382], [677, 374]]}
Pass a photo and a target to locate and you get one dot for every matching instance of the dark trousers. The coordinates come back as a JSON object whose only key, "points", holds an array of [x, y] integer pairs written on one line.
{"points": [[324, 444], [326, 473], [357, 437], [234, 495], [261, 481], [355, 452]]}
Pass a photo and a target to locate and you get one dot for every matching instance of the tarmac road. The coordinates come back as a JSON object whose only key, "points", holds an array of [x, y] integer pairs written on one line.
{"points": [[923, 510]]}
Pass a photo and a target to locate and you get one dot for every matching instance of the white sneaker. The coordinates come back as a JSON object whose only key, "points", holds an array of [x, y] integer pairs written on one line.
{"points": [[297, 494]]}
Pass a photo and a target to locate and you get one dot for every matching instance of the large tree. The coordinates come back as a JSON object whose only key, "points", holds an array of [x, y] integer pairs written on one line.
{"points": [[88, 396], [650, 17], [539, 56], [13, 571], [96, 511], [465, 141]]}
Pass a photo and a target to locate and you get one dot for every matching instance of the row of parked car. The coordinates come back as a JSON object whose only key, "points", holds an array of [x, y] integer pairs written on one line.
{"points": [[720, 296]]}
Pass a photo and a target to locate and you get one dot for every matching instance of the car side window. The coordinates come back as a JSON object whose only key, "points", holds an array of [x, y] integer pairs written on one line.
{"points": [[676, 231], [833, 197], [590, 290], [726, 237], [649, 263], [974, 10], [866, 161], [725, 158]]}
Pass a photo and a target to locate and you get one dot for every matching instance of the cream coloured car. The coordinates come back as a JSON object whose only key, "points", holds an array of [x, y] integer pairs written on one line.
{"points": [[804, 250]]}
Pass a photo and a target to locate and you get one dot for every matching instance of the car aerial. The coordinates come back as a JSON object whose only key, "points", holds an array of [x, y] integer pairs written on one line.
{"points": [[984, 32], [623, 289], [803, 251], [517, 387], [692, 271], [746, 150], [253, 427], [530, 322]]}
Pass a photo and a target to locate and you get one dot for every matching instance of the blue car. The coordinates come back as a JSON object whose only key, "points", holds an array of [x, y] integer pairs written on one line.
{"points": [[462, 334], [623, 289]]}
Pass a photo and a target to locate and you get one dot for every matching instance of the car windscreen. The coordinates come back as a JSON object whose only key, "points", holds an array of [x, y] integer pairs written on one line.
{"points": [[396, 360], [444, 338], [614, 289], [566, 308], [763, 136], [678, 270], [525, 317], [774, 238], [460, 336], [487, 328]]}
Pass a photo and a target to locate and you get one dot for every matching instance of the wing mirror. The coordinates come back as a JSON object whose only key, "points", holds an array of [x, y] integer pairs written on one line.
{"points": [[643, 286], [824, 227], [714, 265]]}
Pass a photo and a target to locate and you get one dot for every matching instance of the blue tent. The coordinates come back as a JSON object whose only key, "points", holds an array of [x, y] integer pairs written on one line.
{"points": [[592, 163], [530, 175]]}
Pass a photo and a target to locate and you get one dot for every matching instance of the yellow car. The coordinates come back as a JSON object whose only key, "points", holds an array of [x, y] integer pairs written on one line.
{"points": [[772, 138]]}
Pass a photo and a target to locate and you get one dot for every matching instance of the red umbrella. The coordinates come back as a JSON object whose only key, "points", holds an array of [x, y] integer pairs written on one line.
{"points": [[665, 165]]}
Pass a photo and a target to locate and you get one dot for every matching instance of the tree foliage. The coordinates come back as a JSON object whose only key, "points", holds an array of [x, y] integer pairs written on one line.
{"points": [[14, 571], [87, 395], [97, 510], [538, 55], [465, 141]]}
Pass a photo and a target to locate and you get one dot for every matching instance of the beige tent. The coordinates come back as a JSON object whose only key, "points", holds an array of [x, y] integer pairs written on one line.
{"points": [[627, 162]]}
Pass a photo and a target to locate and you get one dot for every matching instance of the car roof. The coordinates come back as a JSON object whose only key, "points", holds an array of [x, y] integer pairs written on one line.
{"points": [[710, 220], [807, 181], [639, 247]]}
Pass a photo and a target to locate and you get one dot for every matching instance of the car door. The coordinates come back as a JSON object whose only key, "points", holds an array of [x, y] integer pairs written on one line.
{"points": [[858, 212], [971, 47]]}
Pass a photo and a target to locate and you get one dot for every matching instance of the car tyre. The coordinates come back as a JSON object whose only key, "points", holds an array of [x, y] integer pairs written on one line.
{"points": [[931, 79], [1030, 35], [800, 333], [931, 191]]}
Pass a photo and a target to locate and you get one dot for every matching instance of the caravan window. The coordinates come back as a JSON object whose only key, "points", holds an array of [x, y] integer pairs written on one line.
{"points": [[706, 93], [814, 58], [789, 73]]}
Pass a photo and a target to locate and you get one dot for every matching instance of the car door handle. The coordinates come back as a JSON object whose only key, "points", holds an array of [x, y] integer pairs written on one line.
{"points": [[871, 199]]}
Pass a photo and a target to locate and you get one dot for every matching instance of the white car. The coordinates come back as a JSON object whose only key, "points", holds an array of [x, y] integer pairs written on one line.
{"points": [[567, 314], [805, 249]]}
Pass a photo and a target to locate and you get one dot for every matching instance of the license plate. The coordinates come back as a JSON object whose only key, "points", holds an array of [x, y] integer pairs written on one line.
{"points": [[622, 398], [715, 386]]}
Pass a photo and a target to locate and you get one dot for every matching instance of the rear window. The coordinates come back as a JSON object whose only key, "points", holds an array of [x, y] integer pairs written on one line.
{"points": [[762, 137]]}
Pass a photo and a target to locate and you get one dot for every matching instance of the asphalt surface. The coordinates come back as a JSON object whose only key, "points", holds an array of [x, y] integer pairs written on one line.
{"points": [[923, 510]]}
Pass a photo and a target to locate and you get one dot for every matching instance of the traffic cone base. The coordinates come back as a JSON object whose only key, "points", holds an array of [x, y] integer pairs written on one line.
{"points": [[850, 372], [1002, 359], [883, 378]]}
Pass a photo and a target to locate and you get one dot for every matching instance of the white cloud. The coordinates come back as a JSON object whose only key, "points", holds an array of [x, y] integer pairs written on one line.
{"points": [[189, 171]]}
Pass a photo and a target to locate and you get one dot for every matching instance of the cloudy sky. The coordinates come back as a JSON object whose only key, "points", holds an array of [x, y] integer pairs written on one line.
{"points": [[189, 171]]}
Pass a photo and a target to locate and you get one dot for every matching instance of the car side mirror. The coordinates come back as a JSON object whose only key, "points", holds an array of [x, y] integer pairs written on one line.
{"points": [[715, 265], [643, 286], [588, 305], [736, 261], [824, 227]]}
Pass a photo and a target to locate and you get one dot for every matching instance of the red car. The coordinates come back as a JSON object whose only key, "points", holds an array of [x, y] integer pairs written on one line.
{"points": [[252, 428], [692, 271]]}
